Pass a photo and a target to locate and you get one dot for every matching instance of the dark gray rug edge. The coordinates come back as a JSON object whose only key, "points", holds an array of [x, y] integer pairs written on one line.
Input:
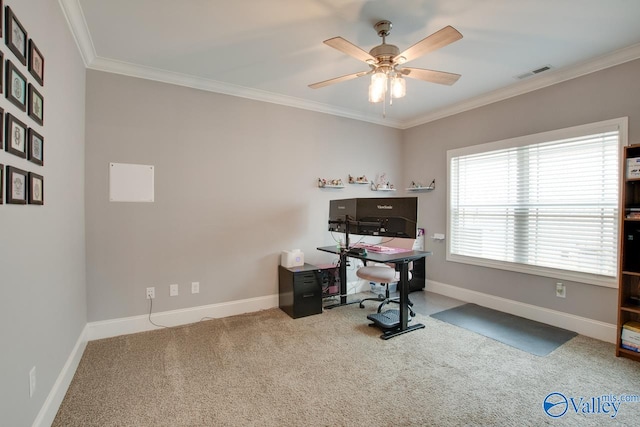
{"points": [[534, 337]]}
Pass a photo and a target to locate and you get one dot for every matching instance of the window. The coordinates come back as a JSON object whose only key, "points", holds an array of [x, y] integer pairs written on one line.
{"points": [[544, 204]]}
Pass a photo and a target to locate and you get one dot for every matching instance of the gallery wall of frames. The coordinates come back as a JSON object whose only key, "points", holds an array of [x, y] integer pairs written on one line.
{"points": [[22, 79]]}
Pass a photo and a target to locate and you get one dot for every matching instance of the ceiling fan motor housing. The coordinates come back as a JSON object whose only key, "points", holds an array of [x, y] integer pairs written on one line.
{"points": [[384, 52]]}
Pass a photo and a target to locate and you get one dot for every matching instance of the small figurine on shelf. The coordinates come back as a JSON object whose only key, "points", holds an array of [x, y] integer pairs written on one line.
{"points": [[358, 180], [331, 183], [421, 186], [382, 183]]}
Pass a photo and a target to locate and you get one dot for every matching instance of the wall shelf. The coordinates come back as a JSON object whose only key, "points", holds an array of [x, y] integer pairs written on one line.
{"points": [[418, 187], [330, 183], [358, 179], [382, 183], [374, 188]]}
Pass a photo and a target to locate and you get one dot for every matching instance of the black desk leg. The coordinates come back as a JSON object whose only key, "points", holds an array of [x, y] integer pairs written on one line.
{"points": [[403, 328], [342, 271], [404, 299], [343, 278]]}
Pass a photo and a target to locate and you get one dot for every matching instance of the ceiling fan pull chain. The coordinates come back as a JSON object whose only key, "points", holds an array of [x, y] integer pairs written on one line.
{"points": [[384, 105]]}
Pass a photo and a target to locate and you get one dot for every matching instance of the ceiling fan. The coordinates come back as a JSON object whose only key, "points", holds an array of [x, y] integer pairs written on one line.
{"points": [[385, 62]]}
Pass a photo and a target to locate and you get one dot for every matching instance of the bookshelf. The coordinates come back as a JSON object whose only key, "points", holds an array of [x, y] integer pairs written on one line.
{"points": [[629, 277]]}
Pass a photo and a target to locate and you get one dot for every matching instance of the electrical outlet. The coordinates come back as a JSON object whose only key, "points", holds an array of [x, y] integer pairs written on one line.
{"points": [[173, 290], [32, 381], [561, 290], [195, 287], [151, 292]]}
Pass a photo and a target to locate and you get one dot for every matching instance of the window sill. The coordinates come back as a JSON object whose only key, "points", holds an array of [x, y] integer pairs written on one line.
{"points": [[573, 276]]}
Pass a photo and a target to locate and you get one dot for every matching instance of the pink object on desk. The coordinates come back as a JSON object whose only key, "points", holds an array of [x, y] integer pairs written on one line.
{"points": [[381, 249]]}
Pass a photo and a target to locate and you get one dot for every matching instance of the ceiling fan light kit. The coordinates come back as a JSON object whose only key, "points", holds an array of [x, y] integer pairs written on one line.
{"points": [[384, 61], [378, 87]]}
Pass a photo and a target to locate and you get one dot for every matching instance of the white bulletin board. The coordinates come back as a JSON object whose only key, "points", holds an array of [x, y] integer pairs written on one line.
{"points": [[130, 183]]}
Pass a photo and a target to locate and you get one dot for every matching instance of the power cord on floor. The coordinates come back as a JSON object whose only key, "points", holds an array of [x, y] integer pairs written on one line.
{"points": [[150, 310], [168, 327]]}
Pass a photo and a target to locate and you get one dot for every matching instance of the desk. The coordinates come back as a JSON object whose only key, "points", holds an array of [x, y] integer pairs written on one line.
{"points": [[402, 259]]}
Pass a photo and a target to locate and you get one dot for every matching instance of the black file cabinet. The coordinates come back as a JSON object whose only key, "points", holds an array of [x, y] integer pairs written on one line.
{"points": [[418, 280], [300, 292]]}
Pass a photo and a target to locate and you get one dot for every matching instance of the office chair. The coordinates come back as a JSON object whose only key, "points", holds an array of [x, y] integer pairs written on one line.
{"points": [[384, 275]]}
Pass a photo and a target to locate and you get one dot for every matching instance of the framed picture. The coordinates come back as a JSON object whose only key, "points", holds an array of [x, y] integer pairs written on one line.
{"points": [[1, 21], [35, 147], [36, 105], [36, 62], [16, 36], [1, 127], [1, 61], [16, 90], [1, 181], [16, 136], [17, 181], [36, 189]]}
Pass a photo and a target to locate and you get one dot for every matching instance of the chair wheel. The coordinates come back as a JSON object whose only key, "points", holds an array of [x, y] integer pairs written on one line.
{"points": [[361, 306]]}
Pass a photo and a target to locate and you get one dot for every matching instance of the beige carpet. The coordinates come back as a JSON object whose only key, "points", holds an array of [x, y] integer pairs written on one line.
{"points": [[266, 369]]}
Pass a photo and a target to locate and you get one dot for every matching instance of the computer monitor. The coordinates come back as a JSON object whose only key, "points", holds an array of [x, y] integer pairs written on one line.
{"points": [[342, 214], [379, 216]]}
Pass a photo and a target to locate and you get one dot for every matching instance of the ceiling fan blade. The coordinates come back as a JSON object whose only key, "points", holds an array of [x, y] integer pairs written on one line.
{"points": [[349, 48], [432, 76], [439, 39], [339, 79]]}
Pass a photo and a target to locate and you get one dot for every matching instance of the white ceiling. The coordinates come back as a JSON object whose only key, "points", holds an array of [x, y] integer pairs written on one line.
{"points": [[271, 50]]}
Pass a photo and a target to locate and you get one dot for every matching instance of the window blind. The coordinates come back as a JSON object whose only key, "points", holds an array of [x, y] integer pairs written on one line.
{"points": [[546, 205]]}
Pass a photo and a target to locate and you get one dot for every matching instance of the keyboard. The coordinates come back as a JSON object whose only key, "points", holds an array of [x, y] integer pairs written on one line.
{"points": [[375, 248]]}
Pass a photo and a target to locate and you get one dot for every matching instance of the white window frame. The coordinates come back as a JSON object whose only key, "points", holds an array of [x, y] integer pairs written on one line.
{"points": [[555, 135]]}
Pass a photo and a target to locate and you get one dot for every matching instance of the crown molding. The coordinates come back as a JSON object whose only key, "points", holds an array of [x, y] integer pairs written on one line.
{"points": [[180, 79], [78, 26], [540, 81]]}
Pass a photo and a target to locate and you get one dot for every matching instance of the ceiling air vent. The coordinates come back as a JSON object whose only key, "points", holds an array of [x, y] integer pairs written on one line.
{"points": [[534, 72]]}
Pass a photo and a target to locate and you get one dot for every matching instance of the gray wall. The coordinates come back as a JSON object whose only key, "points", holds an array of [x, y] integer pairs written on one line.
{"points": [[607, 94], [235, 184], [42, 255]]}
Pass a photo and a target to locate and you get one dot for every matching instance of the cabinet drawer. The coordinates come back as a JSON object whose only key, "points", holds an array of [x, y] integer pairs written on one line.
{"points": [[301, 288], [304, 279]]}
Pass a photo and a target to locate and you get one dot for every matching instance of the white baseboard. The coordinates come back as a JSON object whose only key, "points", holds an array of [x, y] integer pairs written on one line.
{"points": [[582, 325], [134, 324], [52, 403]]}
